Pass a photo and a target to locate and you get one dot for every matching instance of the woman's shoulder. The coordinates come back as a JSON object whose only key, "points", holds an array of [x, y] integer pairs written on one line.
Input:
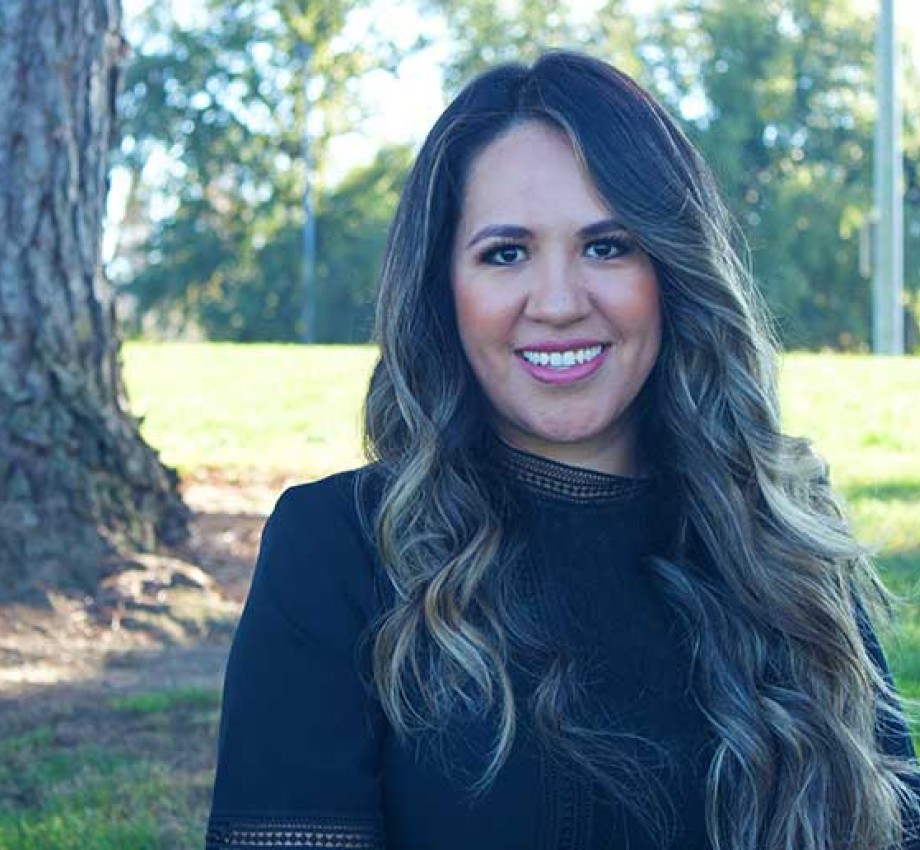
{"points": [[317, 546], [347, 496]]}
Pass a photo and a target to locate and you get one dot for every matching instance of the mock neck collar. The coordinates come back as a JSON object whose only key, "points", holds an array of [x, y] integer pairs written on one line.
{"points": [[564, 481]]}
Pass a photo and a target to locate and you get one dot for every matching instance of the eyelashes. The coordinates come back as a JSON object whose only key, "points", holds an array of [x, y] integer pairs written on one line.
{"points": [[503, 254], [611, 247], [509, 252]]}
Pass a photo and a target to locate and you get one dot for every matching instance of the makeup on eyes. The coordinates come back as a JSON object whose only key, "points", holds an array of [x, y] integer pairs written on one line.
{"points": [[489, 252], [620, 240]]}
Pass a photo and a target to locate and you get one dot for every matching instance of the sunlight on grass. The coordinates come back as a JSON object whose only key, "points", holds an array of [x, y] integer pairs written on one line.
{"points": [[284, 408], [862, 413]]}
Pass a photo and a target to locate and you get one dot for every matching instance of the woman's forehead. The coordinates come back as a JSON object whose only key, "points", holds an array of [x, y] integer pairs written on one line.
{"points": [[529, 175]]}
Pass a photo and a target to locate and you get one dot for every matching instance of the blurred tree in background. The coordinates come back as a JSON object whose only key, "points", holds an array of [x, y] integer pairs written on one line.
{"points": [[779, 95], [351, 233], [224, 96], [782, 102], [484, 33], [912, 203]]}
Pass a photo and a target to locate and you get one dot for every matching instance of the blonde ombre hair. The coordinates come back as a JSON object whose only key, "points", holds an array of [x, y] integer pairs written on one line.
{"points": [[760, 566]]}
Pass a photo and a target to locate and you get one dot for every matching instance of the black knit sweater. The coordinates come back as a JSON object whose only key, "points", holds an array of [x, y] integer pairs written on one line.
{"points": [[307, 758]]}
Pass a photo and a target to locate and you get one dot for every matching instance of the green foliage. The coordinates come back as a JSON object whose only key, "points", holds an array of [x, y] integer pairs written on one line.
{"points": [[911, 108], [244, 288], [484, 33], [225, 96], [351, 233], [778, 95], [781, 102]]}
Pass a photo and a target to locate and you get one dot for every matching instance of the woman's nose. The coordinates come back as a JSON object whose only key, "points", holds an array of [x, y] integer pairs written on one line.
{"points": [[556, 293]]}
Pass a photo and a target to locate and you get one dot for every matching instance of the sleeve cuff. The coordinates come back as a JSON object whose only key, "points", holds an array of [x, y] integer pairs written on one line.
{"points": [[295, 833]]}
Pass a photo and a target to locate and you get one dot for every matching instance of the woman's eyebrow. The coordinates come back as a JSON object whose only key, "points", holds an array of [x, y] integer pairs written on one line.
{"points": [[509, 231], [601, 228], [513, 231]]}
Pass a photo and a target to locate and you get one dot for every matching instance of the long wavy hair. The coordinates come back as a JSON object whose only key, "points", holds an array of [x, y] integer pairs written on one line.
{"points": [[760, 566]]}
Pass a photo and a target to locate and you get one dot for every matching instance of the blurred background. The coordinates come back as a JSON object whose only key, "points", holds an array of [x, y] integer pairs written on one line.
{"points": [[233, 111]]}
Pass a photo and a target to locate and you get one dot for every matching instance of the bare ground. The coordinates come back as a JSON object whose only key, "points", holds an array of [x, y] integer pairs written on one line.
{"points": [[164, 623]]}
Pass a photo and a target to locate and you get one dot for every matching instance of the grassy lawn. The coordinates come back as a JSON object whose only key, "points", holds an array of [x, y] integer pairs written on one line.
{"points": [[270, 407], [297, 411], [862, 415], [130, 773]]}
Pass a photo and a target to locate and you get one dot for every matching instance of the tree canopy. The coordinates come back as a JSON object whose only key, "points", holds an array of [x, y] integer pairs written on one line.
{"points": [[778, 95]]}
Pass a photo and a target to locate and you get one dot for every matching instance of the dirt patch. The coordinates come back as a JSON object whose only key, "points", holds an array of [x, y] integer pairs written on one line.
{"points": [[163, 622]]}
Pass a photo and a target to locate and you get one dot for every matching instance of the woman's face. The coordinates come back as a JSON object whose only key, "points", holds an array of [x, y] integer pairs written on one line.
{"points": [[556, 305]]}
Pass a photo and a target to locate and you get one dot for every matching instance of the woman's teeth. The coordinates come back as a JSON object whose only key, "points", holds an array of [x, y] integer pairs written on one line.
{"points": [[562, 359]]}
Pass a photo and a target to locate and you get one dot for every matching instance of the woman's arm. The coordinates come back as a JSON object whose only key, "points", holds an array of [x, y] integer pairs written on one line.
{"points": [[892, 727], [298, 753], [892, 730]]}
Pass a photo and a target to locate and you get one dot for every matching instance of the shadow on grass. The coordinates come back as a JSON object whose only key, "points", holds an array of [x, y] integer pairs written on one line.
{"points": [[84, 769], [109, 705]]}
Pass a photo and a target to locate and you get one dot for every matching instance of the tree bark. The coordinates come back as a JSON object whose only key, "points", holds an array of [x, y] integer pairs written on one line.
{"points": [[77, 482]]}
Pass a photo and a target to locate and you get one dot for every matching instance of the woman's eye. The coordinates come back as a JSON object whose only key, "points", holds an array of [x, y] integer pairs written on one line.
{"points": [[606, 249], [504, 255]]}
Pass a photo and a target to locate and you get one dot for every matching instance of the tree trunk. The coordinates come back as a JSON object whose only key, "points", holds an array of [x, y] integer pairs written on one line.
{"points": [[77, 482]]}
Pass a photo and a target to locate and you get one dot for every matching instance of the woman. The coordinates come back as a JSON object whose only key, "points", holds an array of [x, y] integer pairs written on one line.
{"points": [[588, 595]]}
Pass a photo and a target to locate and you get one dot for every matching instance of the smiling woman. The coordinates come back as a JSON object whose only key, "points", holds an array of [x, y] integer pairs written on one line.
{"points": [[587, 594]]}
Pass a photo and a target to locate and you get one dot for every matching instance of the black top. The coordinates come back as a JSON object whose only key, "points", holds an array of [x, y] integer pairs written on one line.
{"points": [[307, 758]]}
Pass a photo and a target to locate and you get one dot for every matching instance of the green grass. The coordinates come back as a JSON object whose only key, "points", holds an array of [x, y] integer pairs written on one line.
{"points": [[862, 415], [296, 410], [158, 702], [276, 408], [289, 407], [88, 798], [140, 785]]}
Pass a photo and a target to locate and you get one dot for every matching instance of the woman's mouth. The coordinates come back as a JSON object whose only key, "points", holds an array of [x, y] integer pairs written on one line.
{"points": [[562, 365], [562, 359]]}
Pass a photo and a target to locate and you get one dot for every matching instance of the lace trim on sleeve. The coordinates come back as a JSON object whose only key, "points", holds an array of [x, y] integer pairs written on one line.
{"points": [[228, 833]]}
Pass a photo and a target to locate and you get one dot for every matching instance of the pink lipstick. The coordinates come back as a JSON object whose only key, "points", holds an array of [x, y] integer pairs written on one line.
{"points": [[556, 362]]}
